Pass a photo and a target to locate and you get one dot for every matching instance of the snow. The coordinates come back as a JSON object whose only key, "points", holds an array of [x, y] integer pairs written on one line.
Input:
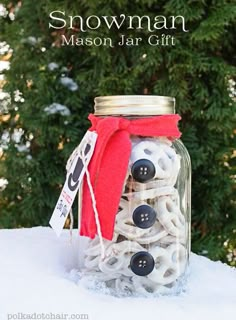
{"points": [[57, 108], [3, 183], [53, 66], [4, 140], [12, 16], [32, 40], [18, 96], [4, 65], [5, 101], [3, 11], [17, 134], [23, 147], [232, 89], [38, 275], [4, 46], [69, 83]]}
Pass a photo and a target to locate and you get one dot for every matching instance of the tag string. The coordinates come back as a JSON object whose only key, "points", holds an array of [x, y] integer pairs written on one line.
{"points": [[99, 232], [71, 224], [96, 215]]}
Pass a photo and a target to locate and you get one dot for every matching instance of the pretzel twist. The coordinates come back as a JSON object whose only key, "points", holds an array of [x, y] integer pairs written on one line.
{"points": [[161, 153], [170, 216]]}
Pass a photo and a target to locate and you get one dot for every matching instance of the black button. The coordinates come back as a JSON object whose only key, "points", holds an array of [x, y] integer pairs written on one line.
{"points": [[144, 216], [142, 263], [143, 170]]}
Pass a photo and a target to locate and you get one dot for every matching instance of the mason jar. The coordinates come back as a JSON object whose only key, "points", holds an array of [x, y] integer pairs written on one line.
{"points": [[149, 250]]}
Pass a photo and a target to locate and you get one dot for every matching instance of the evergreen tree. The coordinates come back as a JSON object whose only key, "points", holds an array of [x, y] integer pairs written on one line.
{"points": [[199, 70]]}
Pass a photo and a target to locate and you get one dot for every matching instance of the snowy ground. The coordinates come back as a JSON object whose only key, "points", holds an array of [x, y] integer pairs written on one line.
{"points": [[37, 276]]}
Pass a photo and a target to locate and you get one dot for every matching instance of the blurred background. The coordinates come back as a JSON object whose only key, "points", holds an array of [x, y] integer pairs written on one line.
{"points": [[47, 92]]}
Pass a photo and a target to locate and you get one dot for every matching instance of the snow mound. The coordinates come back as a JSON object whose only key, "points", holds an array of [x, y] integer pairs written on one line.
{"points": [[38, 279]]}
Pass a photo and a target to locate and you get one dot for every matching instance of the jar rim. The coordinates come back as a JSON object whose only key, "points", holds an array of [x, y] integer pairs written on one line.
{"points": [[134, 105]]}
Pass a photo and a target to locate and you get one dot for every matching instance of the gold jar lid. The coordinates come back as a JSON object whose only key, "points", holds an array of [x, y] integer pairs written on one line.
{"points": [[134, 105]]}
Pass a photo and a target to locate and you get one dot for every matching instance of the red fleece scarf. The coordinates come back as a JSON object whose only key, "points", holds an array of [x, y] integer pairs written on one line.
{"points": [[109, 163]]}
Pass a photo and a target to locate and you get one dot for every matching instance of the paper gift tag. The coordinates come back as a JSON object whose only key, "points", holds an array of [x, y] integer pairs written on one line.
{"points": [[73, 181]]}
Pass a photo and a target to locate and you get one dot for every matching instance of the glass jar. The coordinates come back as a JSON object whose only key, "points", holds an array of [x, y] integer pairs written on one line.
{"points": [[149, 251]]}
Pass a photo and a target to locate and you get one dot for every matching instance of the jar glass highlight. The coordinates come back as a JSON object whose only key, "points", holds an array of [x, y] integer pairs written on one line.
{"points": [[149, 252]]}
